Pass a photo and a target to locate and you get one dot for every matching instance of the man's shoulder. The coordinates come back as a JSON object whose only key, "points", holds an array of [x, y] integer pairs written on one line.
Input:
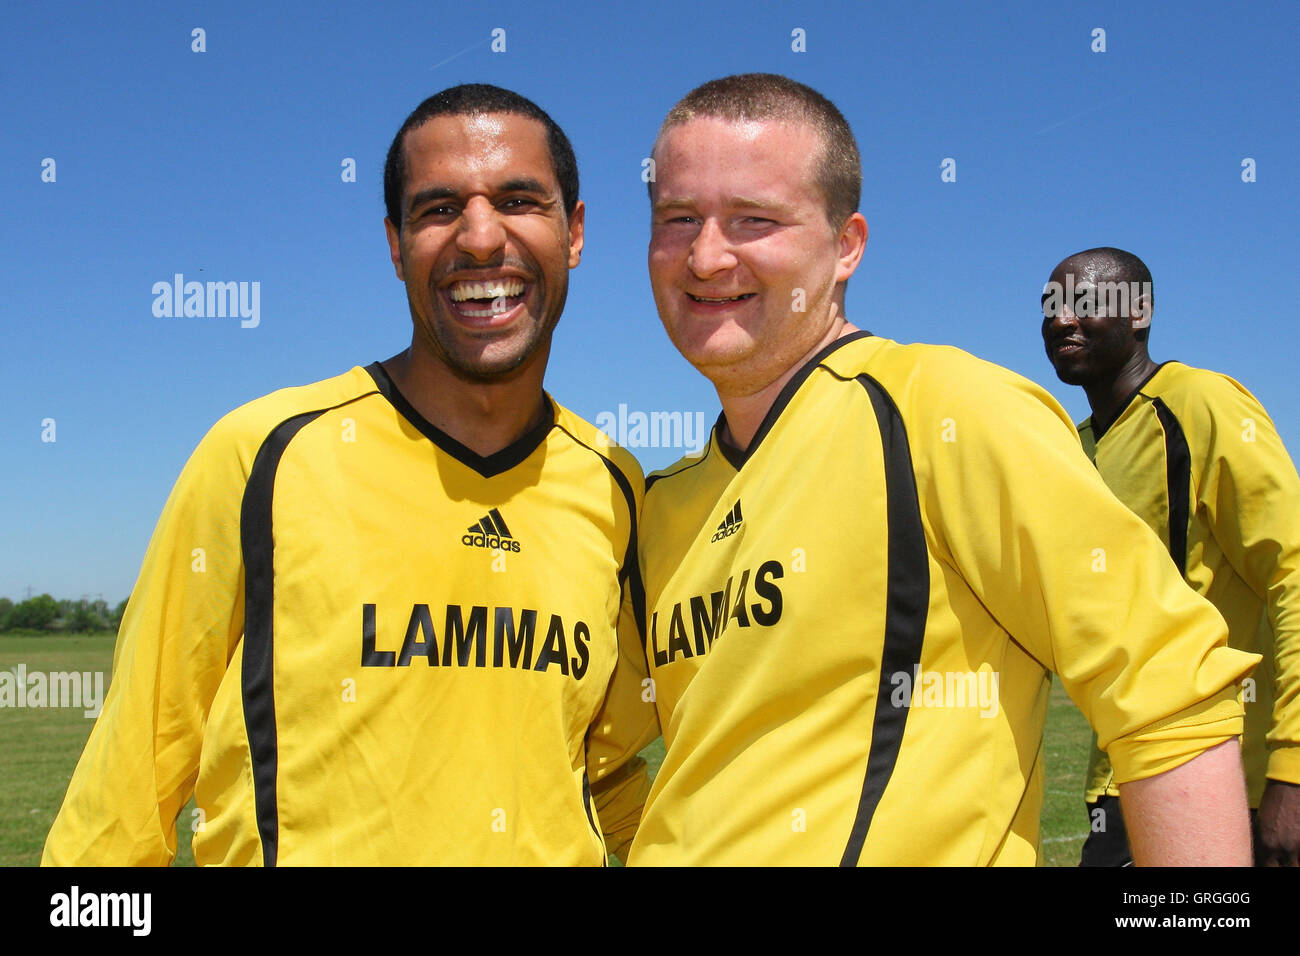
{"points": [[249, 424], [679, 468], [926, 379], [618, 457], [1177, 383]]}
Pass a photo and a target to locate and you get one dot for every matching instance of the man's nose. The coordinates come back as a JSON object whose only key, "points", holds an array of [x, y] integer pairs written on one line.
{"points": [[1061, 319], [481, 233], [711, 251]]}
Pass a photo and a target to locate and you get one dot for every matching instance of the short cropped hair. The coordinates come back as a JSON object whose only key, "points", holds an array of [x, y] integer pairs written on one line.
{"points": [[769, 96], [473, 99]]}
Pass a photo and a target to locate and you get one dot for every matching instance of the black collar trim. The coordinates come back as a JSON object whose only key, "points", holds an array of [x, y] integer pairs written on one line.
{"points": [[1099, 429], [489, 466], [734, 455]]}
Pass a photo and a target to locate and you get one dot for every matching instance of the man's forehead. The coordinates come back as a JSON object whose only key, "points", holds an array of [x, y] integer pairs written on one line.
{"points": [[745, 158], [1086, 269], [480, 142], [742, 132]]}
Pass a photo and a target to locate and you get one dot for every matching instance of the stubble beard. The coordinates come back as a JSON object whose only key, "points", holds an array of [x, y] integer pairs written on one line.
{"points": [[460, 353]]}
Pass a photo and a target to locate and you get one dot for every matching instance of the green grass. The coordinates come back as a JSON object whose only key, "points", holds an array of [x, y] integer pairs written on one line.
{"points": [[39, 749], [1068, 740]]}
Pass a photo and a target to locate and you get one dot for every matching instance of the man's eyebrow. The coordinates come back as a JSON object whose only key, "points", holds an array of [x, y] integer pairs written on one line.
{"points": [[747, 202], [735, 202], [524, 184], [429, 194], [520, 184], [663, 204]]}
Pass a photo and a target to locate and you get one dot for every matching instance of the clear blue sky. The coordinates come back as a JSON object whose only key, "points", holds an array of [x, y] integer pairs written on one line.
{"points": [[226, 165]]}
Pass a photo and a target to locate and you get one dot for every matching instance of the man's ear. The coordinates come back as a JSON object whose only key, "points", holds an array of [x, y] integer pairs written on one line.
{"points": [[394, 247], [577, 224], [852, 242], [1140, 311]]}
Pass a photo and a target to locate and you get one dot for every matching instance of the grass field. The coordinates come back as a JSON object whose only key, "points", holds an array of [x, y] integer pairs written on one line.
{"points": [[39, 749]]}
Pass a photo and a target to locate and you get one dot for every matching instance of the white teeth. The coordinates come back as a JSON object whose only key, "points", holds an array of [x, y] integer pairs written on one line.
{"points": [[734, 298], [492, 289], [495, 307]]}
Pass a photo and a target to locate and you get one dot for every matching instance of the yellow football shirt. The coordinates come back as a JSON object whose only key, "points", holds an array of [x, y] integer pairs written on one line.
{"points": [[853, 625], [1197, 458], [358, 642]]}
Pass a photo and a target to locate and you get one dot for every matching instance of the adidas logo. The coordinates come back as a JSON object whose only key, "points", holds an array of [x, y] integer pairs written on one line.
{"points": [[730, 524], [490, 531]]}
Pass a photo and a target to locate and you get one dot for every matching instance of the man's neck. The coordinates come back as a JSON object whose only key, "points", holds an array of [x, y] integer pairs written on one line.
{"points": [[485, 417], [745, 413], [1107, 398]]}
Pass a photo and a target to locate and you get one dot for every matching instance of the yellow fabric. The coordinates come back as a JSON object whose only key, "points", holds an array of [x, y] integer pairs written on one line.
{"points": [[1032, 568], [1243, 541], [472, 749]]}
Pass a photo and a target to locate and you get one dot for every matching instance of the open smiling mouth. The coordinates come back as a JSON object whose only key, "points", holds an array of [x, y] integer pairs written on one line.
{"points": [[487, 299], [719, 301]]}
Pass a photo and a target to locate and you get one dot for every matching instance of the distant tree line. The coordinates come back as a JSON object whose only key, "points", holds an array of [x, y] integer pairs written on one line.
{"points": [[44, 614]]}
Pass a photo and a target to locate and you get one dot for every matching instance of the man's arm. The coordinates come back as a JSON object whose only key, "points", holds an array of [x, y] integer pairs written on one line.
{"points": [[1249, 490], [1078, 580], [627, 723], [1279, 824], [182, 623], [1192, 815]]}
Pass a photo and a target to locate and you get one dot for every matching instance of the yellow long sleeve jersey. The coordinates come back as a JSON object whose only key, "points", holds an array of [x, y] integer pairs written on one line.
{"points": [[1197, 458], [854, 623], [358, 642]]}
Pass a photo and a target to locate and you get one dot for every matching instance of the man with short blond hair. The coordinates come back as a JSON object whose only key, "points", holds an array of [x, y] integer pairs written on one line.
{"points": [[858, 594]]}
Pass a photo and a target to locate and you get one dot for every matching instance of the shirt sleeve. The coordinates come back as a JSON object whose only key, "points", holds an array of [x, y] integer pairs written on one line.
{"points": [[1076, 579], [627, 723], [181, 626], [1248, 489]]}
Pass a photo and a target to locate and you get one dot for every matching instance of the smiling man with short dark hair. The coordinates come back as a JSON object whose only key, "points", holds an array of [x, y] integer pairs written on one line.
{"points": [[394, 617]]}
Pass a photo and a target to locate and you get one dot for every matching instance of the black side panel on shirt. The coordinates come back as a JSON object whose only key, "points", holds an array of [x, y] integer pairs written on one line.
{"points": [[907, 602], [257, 676], [630, 574], [1178, 467]]}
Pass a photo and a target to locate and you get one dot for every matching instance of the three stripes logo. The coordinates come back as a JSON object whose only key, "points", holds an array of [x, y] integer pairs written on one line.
{"points": [[490, 531], [730, 524]]}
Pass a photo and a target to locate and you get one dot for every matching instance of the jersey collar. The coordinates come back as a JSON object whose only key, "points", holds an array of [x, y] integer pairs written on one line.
{"points": [[1101, 428], [488, 466], [734, 455]]}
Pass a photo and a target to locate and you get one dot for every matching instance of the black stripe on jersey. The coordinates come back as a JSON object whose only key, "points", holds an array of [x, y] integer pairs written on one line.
{"points": [[1178, 478], [488, 466], [630, 573], [906, 605], [738, 457], [1100, 428], [257, 675], [651, 479]]}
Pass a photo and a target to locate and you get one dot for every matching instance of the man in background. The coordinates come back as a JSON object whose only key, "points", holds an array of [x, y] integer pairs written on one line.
{"points": [[1197, 458]]}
